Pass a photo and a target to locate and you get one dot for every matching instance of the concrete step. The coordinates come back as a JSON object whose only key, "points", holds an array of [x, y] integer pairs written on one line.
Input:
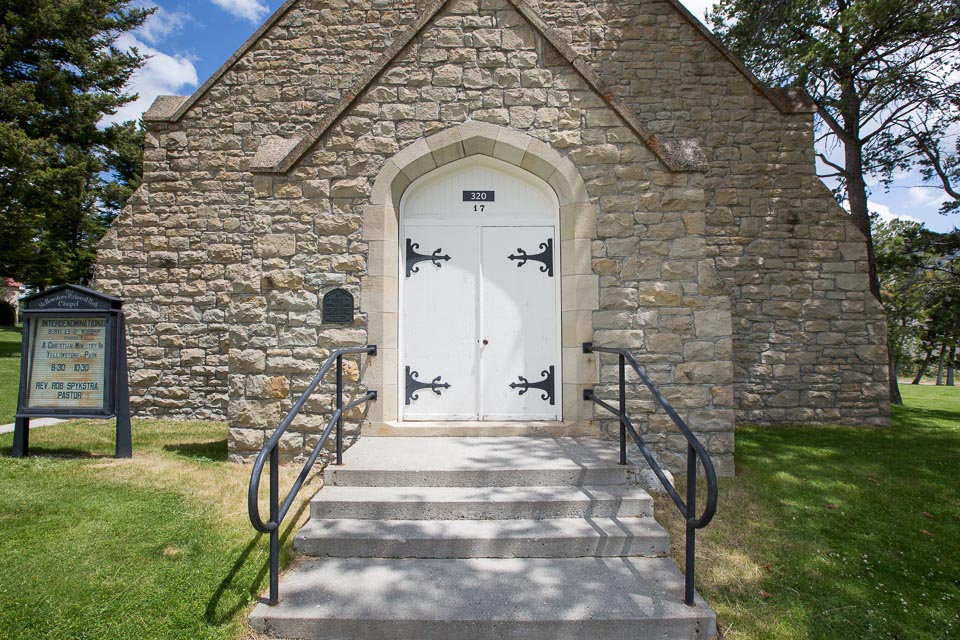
{"points": [[480, 503], [558, 537], [486, 598], [480, 461]]}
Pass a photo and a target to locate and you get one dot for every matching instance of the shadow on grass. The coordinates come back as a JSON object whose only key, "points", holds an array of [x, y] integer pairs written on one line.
{"points": [[215, 450], [214, 613], [927, 418], [9, 342], [219, 612]]}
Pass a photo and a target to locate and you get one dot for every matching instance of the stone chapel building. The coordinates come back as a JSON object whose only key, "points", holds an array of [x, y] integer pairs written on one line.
{"points": [[495, 182]]}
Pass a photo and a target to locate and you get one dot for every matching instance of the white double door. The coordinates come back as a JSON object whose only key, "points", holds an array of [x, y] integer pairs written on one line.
{"points": [[480, 323]]}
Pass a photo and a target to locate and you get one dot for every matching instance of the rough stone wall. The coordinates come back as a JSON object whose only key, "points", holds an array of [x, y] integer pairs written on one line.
{"points": [[809, 339]]}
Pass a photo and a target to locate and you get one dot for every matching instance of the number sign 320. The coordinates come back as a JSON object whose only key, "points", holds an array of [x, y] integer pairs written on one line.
{"points": [[479, 196]]}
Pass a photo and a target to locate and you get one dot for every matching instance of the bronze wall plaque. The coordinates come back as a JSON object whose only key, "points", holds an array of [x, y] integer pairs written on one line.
{"points": [[338, 307]]}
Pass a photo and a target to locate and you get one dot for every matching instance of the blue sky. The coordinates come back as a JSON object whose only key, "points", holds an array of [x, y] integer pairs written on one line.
{"points": [[188, 40]]}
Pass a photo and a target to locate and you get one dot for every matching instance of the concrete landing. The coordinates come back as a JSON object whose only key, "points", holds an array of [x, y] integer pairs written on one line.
{"points": [[478, 461]]}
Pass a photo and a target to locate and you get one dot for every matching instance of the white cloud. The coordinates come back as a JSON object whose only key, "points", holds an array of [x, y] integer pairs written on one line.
{"points": [[886, 213], [163, 74], [161, 23], [931, 196], [902, 175], [251, 10]]}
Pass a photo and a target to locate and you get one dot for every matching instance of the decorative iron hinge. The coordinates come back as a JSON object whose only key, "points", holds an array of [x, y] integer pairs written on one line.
{"points": [[546, 385], [414, 386], [545, 256], [413, 257]]}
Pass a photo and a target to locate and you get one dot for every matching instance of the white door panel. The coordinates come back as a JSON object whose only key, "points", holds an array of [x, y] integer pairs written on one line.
{"points": [[515, 201], [518, 323], [439, 324]]}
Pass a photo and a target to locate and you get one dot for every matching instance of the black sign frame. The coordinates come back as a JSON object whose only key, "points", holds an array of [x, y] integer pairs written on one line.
{"points": [[74, 301]]}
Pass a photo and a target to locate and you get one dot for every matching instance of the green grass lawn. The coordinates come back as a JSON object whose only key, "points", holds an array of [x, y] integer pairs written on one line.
{"points": [[154, 547], [839, 532], [9, 372]]}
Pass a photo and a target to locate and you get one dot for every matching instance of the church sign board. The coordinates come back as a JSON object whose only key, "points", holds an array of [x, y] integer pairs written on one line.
{"points": [[74, 362]]}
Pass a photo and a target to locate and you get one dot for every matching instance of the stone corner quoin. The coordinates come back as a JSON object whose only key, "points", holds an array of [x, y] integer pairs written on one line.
{"points": [[692, 226]]}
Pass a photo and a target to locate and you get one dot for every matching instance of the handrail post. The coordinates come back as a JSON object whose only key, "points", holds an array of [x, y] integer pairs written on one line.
{"points": [[339, 408], [274, 519], [690, 515], [623, 410], [697, 455], [271, 451]]}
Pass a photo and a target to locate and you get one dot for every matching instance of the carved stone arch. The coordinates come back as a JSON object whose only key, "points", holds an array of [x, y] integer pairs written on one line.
{"points": [[579, 286]]}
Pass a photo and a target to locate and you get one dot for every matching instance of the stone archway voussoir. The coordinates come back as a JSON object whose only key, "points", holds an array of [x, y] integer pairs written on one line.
{"points": [[540, 159], [511, 146], [446, 146], [415, 160], [389, 180]]}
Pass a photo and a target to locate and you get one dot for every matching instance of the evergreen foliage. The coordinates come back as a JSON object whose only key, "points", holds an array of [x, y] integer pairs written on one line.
{"points": [[919, 274], [63, 176]]}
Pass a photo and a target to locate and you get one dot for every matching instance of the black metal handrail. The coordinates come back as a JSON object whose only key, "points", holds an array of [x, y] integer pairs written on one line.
{"points": [[695, 452], [271, 450]]}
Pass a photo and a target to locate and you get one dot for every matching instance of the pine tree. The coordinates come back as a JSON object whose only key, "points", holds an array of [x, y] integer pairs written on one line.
{"points": [[63, 176]]}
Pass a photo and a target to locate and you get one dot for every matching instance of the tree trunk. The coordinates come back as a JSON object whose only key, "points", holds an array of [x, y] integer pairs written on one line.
{"points": [[893, 366], [923, 366], [856, 185], [951, 367], [943, 353]]}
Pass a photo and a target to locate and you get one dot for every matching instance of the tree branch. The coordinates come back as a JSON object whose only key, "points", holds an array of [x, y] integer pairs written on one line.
{"points": [[832, 123], [832, 165]]}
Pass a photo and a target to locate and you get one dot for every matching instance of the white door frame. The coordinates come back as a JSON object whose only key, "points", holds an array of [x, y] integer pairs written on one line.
{"points": [[499, 216]]}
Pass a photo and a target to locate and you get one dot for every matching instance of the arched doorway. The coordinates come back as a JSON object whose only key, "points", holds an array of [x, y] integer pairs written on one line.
{"points": [[479, 295]]}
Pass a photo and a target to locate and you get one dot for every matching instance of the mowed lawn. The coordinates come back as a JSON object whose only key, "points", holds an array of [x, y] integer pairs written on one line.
{"points": [[825, 533], [9, 372], [839, 532], [158, 546]]}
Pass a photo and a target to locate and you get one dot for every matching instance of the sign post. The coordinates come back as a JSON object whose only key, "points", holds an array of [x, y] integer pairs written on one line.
{"points": [[74, 362]]}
